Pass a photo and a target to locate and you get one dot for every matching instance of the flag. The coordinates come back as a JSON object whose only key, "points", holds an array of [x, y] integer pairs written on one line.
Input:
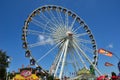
{"points": [[105, 52], [108, 64]]}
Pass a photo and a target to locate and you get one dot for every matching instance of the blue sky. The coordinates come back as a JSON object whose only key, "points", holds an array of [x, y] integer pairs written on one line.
{"points": [[102, 17]]}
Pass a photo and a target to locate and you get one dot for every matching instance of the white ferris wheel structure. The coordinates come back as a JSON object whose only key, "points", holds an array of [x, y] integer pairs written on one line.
{"points": [[58, 40]]}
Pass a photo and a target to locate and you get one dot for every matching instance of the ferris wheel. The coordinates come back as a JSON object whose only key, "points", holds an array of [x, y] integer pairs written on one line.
{"points": [[58, 40]]}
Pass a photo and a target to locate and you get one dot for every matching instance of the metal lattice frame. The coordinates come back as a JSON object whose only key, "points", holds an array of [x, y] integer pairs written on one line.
{"points": [[69, 33]]}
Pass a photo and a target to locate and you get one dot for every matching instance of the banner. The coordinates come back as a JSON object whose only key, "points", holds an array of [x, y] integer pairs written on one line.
{"points": [[105, 52], [26, 75]]}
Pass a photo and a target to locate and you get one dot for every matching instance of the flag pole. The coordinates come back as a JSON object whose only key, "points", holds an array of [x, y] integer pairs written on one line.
{"points": [[116, 56]]}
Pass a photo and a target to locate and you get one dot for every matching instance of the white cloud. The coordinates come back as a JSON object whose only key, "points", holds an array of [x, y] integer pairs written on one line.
{"points": [[50, 41], [110, 46], [45, 40], [41, 37]]}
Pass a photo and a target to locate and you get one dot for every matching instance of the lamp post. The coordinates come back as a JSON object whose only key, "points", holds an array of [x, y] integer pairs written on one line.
{"points": [[8, 60]]}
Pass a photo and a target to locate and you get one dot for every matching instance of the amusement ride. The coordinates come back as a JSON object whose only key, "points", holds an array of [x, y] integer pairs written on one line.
{"points": [[58, 42]]}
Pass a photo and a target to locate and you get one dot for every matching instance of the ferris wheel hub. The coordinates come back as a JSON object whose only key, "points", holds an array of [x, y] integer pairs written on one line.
{"points": [[69, 33]]}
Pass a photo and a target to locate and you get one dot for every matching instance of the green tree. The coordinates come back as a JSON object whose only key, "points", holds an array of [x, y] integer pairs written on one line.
{"points": [[3, 65], [92, 70], [50, 77]]}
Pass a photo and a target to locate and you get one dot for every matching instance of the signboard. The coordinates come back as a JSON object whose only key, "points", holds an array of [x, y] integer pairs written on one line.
{"points": [[26, 75]]}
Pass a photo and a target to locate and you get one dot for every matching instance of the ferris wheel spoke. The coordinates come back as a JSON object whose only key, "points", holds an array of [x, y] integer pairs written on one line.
{"points": [[81, 34], [62, 49], [60, 59], [87, 58], [86, 48], [64, 58], [59, 34], [45, 18], [75, 63], [77, 28], [72, 24], [57, 58], [41, 25], [66, 20], [56, 34], [53, 18], [84, 41], [58, 38], [37, 33], [40, 43], [48, 52], [35, 44], [60, 17], [74, 59], [80, 56]]}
